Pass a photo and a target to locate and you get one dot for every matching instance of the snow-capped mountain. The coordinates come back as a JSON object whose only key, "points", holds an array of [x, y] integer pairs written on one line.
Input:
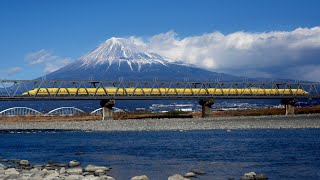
{"points": [[121, 58], [118, 51]]}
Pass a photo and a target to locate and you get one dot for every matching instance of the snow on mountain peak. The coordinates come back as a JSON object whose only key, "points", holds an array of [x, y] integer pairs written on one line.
{"points": [[118, 51]]}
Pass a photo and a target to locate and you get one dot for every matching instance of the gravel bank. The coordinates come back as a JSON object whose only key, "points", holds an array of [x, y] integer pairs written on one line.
{"points": [[244, 122]]}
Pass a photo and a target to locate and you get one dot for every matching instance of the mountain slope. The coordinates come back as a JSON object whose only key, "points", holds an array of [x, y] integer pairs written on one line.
{"points": [[120, 58]]}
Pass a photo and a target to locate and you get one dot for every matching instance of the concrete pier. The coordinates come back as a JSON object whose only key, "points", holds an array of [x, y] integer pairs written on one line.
{"points": [[107, 109], [206, 107], [289, 105]]}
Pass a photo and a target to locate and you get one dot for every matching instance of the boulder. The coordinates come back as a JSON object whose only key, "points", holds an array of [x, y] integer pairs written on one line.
{"points": [[87, 173], [91, 177], [92, 168], [11, 171], [105, 177], [177, 177], [99, 172], [40, 174], [62, 170], [25, 174], [74, 177], [2, 172], [74, 163], [52, 175], [24, 163], [142, 177], [190, 174], [74, 171], [248, 176], [37, 176], [12, 177], [261, 177], [34, 170]]}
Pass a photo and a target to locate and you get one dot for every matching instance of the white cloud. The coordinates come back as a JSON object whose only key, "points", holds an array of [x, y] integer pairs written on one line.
{"points": [[13, 70], [47, 60], [278, 54]]}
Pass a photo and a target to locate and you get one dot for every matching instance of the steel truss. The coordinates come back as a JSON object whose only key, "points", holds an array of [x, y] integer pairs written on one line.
{"points": [[14, 89]]}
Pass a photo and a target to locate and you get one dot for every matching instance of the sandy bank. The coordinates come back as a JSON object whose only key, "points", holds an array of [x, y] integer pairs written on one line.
{"points": [[243, 122]]}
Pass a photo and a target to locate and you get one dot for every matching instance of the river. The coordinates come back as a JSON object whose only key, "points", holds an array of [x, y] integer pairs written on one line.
{"points": [[278, 153]]}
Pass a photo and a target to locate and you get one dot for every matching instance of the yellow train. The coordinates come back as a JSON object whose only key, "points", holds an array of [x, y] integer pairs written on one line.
{"points": [[159, 91]]}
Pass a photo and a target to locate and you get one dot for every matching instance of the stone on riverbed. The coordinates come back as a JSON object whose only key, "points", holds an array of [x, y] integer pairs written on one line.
{"points": [[261, 177], [105, 177], [12, 177], [99, 172], [11, 171], [24, 163], [253, 175], [177, 177], [92, 168], [142, 177], [74, 177], [39, 174], [246, 178], [34, 170], [91, 177], [52, 175], [190, 174], [74, 171], [74, 163], [62, 170]]}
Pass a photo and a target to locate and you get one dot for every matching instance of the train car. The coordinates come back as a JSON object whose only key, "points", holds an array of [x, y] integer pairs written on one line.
{"points": [[162, 91]]}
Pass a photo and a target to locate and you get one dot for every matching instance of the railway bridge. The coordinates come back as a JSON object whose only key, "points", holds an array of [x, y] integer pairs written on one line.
{"points": [[110, 91]]}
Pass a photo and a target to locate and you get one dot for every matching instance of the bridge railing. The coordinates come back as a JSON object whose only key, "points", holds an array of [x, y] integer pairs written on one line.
{"points": [[50, 89]]}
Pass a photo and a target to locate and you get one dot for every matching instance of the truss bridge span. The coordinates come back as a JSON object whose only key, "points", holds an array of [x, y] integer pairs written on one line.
{"points": [[119, 90], [110, 91]]}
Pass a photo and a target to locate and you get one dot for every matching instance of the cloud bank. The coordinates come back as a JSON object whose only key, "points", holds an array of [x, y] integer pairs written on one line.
{"points": [[278, 54], [47, 60]]}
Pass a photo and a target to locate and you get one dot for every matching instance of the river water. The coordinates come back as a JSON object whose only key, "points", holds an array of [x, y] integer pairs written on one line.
{"points": [[280, 153]]}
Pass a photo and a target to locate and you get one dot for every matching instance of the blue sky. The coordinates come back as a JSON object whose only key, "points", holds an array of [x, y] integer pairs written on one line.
{"points": [[65, 30]]}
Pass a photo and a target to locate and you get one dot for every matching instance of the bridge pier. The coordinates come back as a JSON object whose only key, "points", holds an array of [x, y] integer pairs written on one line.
{"points": [[107, 109], [206, 107], [289, 105]]}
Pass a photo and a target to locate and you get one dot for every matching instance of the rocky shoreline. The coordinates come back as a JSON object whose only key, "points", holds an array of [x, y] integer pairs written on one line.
{"points": [[15, 169], [241, 122]]}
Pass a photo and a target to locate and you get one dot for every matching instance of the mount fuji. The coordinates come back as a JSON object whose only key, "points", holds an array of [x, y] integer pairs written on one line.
{"points": [[119, 58]]}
